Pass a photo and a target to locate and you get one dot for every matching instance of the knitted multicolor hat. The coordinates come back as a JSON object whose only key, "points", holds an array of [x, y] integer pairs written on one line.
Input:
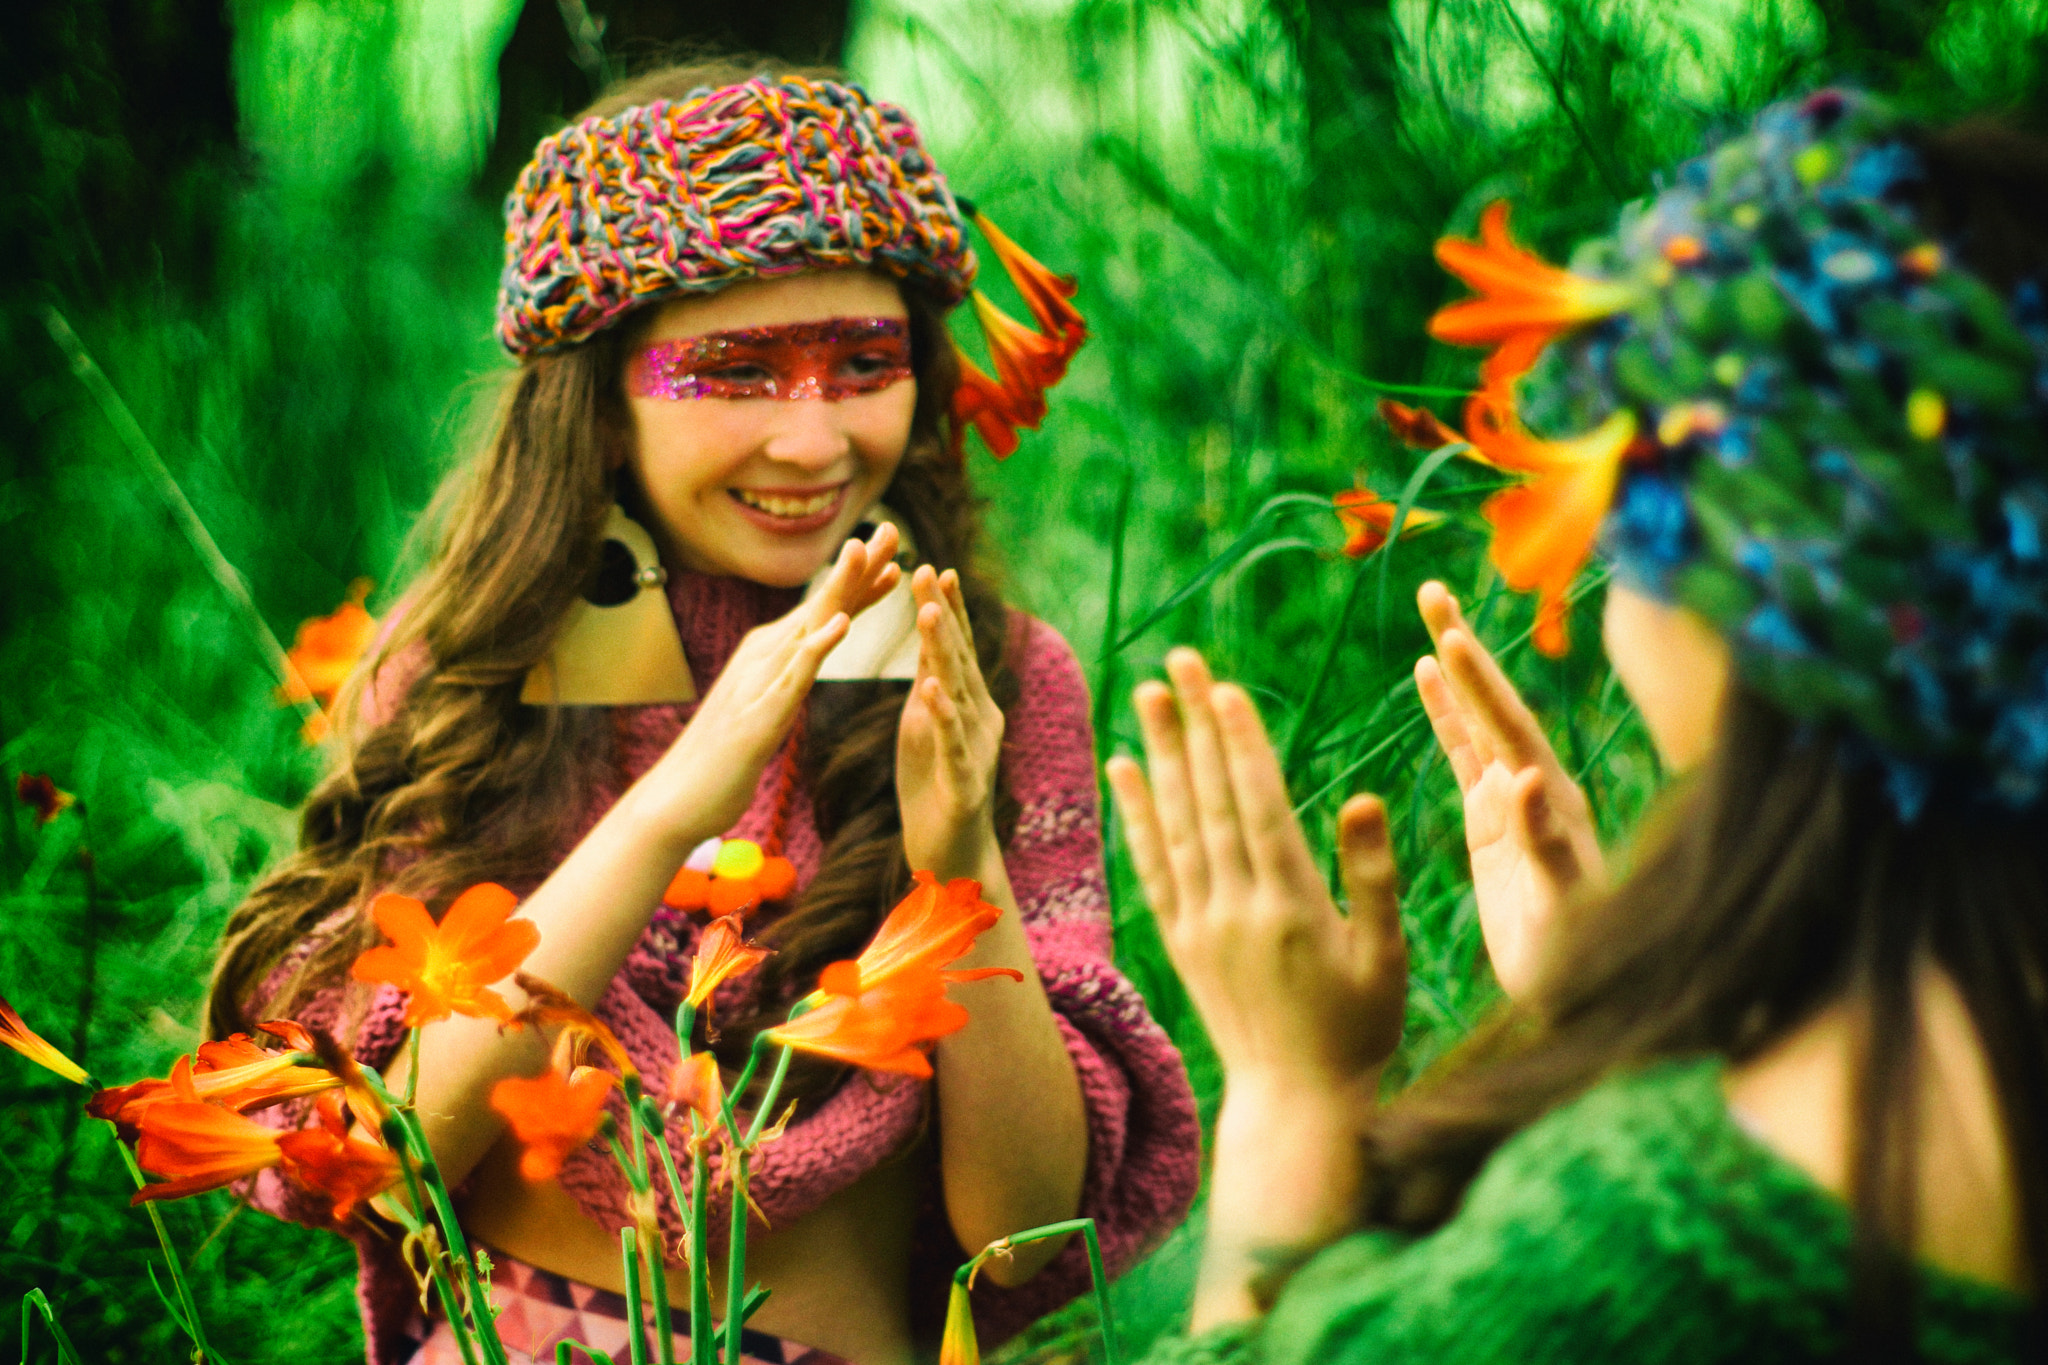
{"points": [[755, 180], [1806, 423]]}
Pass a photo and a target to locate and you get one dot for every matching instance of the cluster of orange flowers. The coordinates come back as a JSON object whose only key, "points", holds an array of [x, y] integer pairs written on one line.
{"points": [[1027, 362], [1544, 527], [882, 1011]]}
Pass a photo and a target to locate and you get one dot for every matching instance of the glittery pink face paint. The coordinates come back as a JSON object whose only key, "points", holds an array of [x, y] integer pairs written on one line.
{"points": [[835, 359]]}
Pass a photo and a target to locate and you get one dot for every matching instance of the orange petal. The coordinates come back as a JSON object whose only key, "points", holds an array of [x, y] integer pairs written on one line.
{"points": [[1544, 529], [1369, 519], [18, 1035], [345, 1170], [981, 403], [200, 1147], [1044, 293], [696, 1084], [552, 1115], [405, 922], [1027, 362], [546, 1005], [1418, 428], [1521, 298], [776, 879], [327, 649], [722, 953]]}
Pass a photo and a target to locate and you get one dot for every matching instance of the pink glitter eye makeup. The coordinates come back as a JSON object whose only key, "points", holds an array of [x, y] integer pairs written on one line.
{"points": [[835, 359]]}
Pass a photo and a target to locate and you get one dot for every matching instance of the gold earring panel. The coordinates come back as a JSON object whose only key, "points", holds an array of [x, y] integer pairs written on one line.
{"points": [[618, 644]]}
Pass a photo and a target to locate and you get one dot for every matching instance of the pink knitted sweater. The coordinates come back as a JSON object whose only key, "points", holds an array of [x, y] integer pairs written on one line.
{"points": [[1143, 1136]]}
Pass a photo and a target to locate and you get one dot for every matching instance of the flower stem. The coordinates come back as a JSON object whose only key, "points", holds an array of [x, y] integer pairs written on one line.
{"points": [[703, 1349], [412, 1069], [629, 1256], [769, 1097], [203, 1351], [1084, 1226], [437, 1271], [736, 1256], [657, 1288]]}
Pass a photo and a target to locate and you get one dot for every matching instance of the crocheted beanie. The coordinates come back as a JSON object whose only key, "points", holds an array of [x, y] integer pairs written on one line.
{"points": [[1805, 421], [742, 181]]}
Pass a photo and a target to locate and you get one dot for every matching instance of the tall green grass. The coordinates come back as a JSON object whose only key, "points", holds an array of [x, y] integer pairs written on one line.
{"points": [[1248, 193]]}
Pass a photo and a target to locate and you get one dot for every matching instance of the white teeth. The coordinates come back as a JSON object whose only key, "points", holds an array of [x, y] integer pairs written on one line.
{"points": [[793, 508]]}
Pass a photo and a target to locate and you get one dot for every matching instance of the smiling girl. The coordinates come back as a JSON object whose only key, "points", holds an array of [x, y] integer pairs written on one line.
{"points": [[713, 580]]}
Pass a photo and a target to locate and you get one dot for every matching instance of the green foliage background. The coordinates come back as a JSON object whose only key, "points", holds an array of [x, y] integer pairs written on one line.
{"points": [[1248, 190]]}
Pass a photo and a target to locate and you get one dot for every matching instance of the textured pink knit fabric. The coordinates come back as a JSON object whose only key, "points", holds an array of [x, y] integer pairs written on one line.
{"points": [[1144, 1139]]}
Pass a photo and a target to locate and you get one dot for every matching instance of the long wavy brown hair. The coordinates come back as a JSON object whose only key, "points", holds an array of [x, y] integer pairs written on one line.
{"points": [[1778, 881], [461, 783]]}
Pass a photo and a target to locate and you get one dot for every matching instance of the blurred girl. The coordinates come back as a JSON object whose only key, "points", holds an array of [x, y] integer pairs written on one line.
{"points": [[727, 294], [1781, 1094]]}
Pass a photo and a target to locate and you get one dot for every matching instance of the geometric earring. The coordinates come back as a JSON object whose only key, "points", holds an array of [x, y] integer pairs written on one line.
{"points": [[618, 645]]}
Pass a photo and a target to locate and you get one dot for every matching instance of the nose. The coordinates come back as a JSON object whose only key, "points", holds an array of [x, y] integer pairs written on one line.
{"points": [[809, 434]]}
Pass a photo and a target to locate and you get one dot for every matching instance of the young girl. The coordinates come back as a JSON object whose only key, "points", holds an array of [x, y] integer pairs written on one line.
{"points": [[1781, 1094], [646, 627]]}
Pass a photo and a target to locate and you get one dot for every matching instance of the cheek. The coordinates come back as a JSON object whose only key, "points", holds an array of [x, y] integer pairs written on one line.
{"points": [[681, 446], [878, 426]]}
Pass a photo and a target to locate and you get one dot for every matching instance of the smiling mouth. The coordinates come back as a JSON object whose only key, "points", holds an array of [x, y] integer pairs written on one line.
{"points": [[791, 507]]}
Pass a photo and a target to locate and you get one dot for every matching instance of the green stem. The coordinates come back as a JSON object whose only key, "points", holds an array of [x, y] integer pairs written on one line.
{"points": [[163, 1237], [437, 1271], [657, 1286], [479, 1304], [1084, 1226], [736, 1256], [629, 1256], [773, 1093], [33, 1302], [412, 1066], [703, 1350]]}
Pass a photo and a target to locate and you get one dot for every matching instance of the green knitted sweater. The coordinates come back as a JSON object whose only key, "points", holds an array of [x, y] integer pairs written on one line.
{"points": [[1637, 1223]]}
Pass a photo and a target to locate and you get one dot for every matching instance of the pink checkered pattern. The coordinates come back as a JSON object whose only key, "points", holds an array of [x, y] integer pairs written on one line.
{"points": [[537, 1309]]}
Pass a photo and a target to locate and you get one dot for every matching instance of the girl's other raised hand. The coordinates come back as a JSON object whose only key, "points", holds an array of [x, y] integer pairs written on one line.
{"points": [[950, 739], [1528, 826], [703, 783], [1298, 996]]}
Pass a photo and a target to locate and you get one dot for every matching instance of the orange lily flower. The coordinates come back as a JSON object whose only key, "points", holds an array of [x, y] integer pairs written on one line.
{"points": [[988, 407], [327, 1160], [1369, 520], [957, 1344], [235, 1073], [1416, 428], [447, 968], [929, 928], [1027, 362], [30, 1044], [552, 1115], [722, 953], [581, 1030], [323, 653], [881, 1028], [882, 1009], [696, 1084], [1047, 295], [200, 1146], [1523, 301], [1544, 529], [43, 796]]}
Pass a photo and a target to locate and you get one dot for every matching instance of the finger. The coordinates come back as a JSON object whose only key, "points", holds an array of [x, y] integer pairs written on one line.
{"points": [[1272, 836], [1492, 704], [1365, 861], [1439, 609], [1544, 836], [936, 643], [1208, 774], [1143, 837], [1440, 704], [802, 669], [956, 595], [848, 568], [1159, 720]]}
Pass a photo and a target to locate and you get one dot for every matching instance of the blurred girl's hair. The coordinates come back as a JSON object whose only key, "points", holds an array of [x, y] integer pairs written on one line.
{"points": [[461, 783], [1779, 881]]}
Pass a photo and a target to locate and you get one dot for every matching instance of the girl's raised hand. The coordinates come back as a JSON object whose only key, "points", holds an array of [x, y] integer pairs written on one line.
{"points": [[702, 785], [1528, 826], [1298, 996], [950, 738]]}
